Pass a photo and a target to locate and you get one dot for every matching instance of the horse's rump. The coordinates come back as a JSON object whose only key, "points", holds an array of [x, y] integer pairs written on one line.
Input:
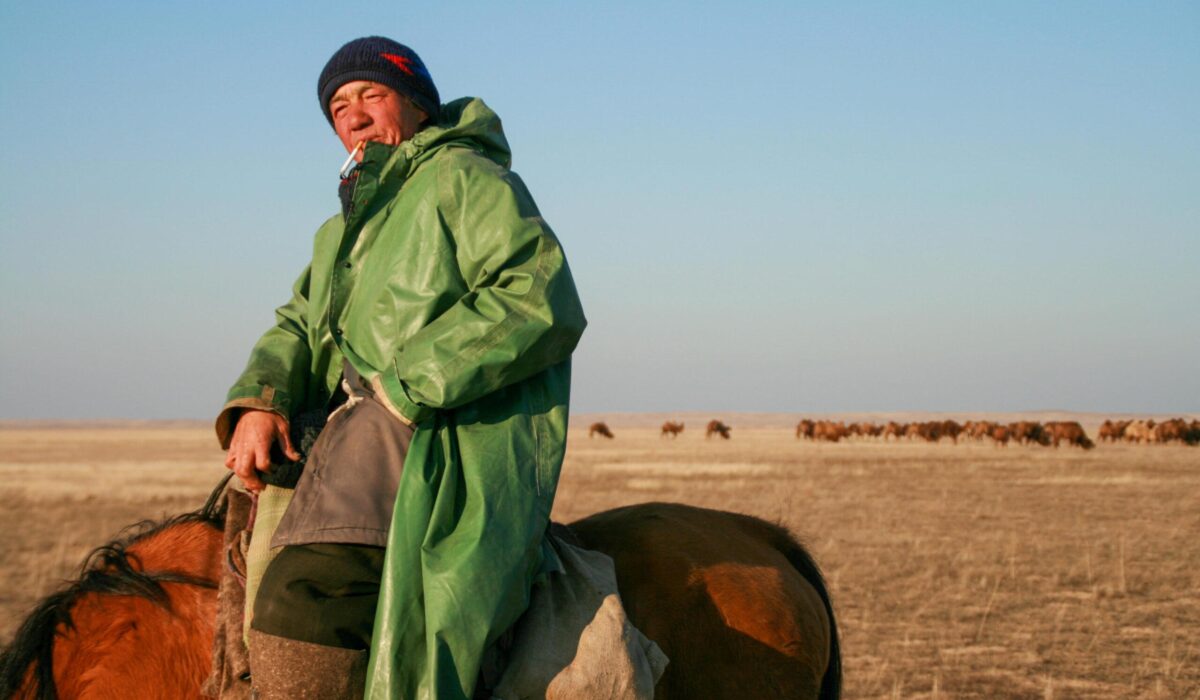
{"points": [[737, 605]]}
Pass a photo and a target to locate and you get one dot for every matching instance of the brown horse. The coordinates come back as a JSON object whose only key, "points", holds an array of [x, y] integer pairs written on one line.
{"points": [[742, 614], [672, 429], [600, 429]]}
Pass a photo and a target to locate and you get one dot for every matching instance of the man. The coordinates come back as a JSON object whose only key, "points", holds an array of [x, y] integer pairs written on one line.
{"points": [[441, 305]]}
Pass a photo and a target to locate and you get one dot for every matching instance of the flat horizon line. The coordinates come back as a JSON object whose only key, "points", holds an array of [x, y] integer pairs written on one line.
{"points": [[763, 418]]}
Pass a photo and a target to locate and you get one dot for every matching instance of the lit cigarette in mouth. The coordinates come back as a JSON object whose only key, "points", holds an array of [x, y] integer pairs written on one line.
{"points": [[348, 166]]}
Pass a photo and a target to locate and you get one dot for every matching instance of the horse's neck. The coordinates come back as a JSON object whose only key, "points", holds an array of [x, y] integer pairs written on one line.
{"points": [[192, 549], [117, 643]]}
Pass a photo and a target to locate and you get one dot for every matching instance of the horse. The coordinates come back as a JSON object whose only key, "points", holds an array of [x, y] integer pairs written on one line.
{"points": [[716, 427], [600, 429], [672, 429], [736, 603]]}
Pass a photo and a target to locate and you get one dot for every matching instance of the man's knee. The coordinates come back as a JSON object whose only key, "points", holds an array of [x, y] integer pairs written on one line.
{"points": [[321, 593]]}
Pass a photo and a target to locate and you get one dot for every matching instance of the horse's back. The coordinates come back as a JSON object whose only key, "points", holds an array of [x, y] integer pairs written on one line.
{"points": [[723, 595]]}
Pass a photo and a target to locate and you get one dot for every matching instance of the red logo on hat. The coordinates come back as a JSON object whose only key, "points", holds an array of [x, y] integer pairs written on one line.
{"points": [[400, 61]]}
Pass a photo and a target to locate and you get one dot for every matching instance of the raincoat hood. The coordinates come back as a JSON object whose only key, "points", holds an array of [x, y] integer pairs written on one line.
{"points": [[468, 119]]}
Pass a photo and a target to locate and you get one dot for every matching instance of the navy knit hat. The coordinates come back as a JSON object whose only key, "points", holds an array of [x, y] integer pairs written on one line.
{"points": [[383, 61]]}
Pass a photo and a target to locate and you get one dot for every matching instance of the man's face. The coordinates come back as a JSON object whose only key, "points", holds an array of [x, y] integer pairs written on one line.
{"points": [[368, 111]]}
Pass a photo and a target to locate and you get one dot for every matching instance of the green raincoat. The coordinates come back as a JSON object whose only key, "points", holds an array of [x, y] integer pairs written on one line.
{"points": [[445, 282]]}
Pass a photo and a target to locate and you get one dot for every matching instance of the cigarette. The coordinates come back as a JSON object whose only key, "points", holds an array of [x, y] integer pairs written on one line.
{"points": [[348, 166]]}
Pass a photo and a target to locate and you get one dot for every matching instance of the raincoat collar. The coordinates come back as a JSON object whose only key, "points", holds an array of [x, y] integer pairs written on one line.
{"points": [[465, 122]]}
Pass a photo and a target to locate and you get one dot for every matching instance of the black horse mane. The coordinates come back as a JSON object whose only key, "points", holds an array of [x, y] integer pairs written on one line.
{"points": [[109, 570]]}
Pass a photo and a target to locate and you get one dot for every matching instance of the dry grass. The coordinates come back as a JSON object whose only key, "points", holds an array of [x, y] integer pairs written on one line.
{"points": [[957, 572]]}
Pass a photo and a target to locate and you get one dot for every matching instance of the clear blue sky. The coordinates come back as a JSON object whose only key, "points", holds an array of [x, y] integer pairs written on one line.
{"points": [[767, 206]]}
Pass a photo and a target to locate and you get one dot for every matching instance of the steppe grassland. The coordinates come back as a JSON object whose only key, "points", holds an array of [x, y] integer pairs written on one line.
{"points": [[962, 571]]}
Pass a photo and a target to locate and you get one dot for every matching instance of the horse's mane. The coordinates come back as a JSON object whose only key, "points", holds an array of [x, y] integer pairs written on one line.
{"points": [[110, 569]]}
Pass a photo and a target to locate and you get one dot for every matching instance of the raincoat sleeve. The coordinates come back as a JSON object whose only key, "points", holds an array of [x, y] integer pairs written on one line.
{"points": [[277, 374], [521, 315]]}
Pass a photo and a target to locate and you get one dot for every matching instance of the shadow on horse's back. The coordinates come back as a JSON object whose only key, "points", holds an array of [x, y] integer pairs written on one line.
{"points": [[736, 604]]}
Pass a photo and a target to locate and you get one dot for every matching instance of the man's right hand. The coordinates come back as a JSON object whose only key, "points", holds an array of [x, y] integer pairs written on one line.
{"points": [[250, 448]]}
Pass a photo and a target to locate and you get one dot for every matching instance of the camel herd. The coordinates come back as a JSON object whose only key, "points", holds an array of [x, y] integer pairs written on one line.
{"points": [[1055, 433], [1147, 431], [1023, 432]]}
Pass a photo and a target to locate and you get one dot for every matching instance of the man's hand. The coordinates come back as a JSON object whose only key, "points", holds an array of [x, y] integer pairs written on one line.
{"points": [[250, 448]]}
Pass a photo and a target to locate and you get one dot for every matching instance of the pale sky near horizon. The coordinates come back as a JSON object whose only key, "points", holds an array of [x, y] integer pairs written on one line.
{"points": [[775, 206]]}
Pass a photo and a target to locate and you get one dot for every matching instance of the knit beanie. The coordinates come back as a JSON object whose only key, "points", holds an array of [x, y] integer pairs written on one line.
{"points": [[381, 60]]}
